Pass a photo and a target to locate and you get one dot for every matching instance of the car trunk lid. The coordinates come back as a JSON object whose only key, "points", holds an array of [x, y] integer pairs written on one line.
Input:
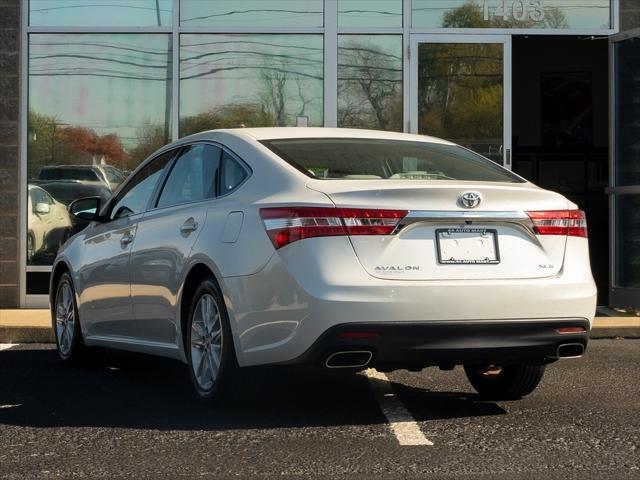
{"points": [[441, 239]]}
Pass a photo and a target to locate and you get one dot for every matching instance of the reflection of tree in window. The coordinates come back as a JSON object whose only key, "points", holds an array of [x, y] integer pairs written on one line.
{"points": [[93, 96], [230, 81], [370, 81]]}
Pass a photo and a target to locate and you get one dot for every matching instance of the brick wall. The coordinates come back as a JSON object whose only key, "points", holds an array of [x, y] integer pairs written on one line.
{"points": [[629, 14], [9, 150]]}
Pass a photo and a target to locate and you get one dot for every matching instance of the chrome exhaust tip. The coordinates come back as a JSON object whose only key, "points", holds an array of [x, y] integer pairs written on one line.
{"points": [[570, 350], [349, 359]]}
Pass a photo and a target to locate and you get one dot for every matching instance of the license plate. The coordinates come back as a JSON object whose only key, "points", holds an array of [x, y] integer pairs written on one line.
{"points": [[467, 246]]}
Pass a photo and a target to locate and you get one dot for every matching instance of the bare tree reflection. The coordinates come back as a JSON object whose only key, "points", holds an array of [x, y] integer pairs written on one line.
{"points": [[369, 83]]}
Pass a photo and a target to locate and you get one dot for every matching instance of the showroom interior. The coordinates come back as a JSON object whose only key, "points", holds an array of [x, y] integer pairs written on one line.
{"points": [[546, 88]]}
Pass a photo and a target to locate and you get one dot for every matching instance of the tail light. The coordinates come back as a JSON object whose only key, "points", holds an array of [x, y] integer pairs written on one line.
{"points": [[560, 222], [285, 225]]}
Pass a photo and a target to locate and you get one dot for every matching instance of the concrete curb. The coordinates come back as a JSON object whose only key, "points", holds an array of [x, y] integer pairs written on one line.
{"points": [[34, 326], [26, 334]]}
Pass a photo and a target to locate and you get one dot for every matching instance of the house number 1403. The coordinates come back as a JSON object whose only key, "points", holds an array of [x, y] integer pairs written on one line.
{"points": [[516, 9]]}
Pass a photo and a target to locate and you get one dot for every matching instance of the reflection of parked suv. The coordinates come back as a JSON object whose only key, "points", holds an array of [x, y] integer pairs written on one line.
{"points": [[49, 226], [69, 182]]}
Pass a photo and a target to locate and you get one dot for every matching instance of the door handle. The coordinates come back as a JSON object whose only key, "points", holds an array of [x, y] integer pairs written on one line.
{"points": [[126, 239], [189, 226]]}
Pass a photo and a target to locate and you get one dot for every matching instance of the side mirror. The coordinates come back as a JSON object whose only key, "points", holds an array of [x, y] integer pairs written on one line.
{"points": [[87, 208], [42, 208]]}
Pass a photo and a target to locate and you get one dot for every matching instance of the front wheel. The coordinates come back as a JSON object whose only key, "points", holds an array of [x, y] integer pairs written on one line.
{"points": [[507, 382], [209, 345]]}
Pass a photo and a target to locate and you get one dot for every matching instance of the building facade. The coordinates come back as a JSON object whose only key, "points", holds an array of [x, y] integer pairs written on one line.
{"points": [[88, 89]]}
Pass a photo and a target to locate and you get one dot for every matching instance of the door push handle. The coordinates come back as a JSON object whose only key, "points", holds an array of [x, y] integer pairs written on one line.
{"points": [[126, 239], [189, 226]]}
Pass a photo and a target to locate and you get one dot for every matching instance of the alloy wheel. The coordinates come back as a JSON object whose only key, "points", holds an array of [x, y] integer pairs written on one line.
{"points": [[206, 341], [65, 319]]}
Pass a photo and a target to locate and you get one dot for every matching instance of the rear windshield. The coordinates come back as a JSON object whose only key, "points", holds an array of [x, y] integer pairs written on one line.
{"points": [[367, 159], [68, 174]]}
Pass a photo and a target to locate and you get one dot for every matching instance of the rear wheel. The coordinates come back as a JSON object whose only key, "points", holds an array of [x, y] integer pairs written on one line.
{"points": [[209, 345], [507, 382], [66, 323]]}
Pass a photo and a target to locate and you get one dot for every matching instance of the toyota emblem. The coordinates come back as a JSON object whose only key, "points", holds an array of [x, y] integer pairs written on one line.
{"points": [[470, 199]]}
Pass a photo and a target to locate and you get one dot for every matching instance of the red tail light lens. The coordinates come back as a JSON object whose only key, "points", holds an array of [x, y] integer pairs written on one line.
{"points": [[285, 225], [560, 222]]}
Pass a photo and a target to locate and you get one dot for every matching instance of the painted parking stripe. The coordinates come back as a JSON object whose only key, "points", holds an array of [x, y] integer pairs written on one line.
{"points": [[6, 346], [402, 424]]}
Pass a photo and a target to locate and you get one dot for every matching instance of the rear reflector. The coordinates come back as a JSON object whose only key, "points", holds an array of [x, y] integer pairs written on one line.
{"points": [[571, 330], [560, 222], [285, 225]]}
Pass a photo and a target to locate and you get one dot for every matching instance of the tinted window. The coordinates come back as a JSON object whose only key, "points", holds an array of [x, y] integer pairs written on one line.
{"points": [[193, 177], [135, 195], [85, 174], [369, 159], [232, 175]]}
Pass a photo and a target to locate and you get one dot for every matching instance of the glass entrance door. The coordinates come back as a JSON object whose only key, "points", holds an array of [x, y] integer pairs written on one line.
{"points": [[461, 91]]}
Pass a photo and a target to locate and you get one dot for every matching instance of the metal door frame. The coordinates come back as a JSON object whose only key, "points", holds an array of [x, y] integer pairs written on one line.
{"points": [[618, 296], [412, 90]]}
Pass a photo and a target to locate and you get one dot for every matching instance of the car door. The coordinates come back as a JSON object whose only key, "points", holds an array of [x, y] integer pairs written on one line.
{"points": [[164, 241], [104, 279]]}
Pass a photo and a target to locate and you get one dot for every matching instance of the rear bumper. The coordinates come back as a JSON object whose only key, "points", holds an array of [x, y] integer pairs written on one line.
{"points": [[418, 345], [314, 285]]}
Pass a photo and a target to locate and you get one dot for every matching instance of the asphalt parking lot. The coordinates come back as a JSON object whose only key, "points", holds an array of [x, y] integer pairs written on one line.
{"points": [[134, 416]]}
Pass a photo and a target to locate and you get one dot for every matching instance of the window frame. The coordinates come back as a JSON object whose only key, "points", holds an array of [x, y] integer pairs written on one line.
{"points": [[106, 211], [153, 205], [163, 183]]}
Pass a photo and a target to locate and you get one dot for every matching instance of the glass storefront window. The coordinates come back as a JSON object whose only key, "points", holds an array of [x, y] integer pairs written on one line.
{"points": [[370, 81], [229, 81], [461, 94], [98, 105], [369, 13], [252, 13], [98, 13], [628, 241], [557, 14], [627, 128]]}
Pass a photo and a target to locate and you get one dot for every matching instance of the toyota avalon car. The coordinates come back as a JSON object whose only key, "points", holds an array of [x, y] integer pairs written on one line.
{"points": [[331, 249]]}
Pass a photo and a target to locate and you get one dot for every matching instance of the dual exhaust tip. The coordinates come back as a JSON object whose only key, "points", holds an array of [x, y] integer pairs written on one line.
{"points": [[349, 359], [570, 350]]}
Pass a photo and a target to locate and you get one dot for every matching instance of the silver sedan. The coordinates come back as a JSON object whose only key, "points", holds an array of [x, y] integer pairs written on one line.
{"points": [[329, 248]]}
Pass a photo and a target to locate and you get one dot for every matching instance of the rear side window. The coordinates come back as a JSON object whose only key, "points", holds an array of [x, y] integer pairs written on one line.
{"points": [[371, 159], [193, 176], [232, 174]]}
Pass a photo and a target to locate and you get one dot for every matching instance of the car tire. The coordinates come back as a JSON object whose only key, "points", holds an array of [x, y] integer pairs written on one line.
{"points": [[66, 323], [209, 345], [508, 382]]}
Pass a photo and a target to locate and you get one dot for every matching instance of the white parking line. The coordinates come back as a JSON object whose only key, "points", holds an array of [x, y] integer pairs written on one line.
{"points": [[402, 424], [7, 346]]}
